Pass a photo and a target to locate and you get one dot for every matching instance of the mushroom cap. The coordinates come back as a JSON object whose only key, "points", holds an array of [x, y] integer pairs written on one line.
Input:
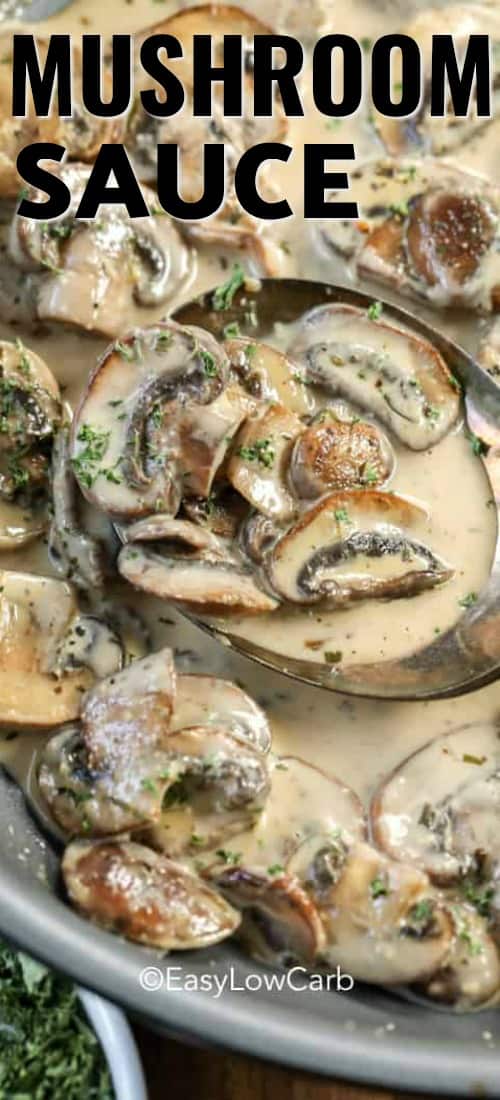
{"points": [[81, 135], [267, 374], [447, 135], [280, 924], [94, 274], [339, 452], [370, 908], [469, 976], [210, 701], [30, 411], [397, 376], [260, 458], [130, 889], [132, 417], [440, 808], [129, 713], [352, 546], [35, 614]]}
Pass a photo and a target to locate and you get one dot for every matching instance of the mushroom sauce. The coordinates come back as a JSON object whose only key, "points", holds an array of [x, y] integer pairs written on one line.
{"points": [[282, 835]]}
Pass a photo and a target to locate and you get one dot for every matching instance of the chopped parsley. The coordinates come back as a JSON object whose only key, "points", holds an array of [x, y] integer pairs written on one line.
{"points": [[131, 351], [332, 656], [342, 515], [374, 311], [379, 887], [479, 895], [478, 446], [400, 209], [469, 600], [209, 364], [227, 856], [469, 758], [262, 451], [222, 297], [231, 331], [49, 1052], [86, 463], [370, 475], [275, 869]]}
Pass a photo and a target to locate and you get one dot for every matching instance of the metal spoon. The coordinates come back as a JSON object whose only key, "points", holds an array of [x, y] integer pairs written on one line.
{"points": [[467, 656], [20, 757]]}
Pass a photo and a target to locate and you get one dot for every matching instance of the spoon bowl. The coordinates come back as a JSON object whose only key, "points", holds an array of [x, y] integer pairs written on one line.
{"points": [[465, 657]]}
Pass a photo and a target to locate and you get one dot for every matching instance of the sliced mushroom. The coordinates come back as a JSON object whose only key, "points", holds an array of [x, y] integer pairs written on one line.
{"points": [[304, 802], [231, 226], [427, 133], [81, 135], [257, 535], [129, 712], [206, 439], [210, 701], [131, 451], [306, 24], [381, 919], [73, 552], [398, 377], [355, 546], [219, 787], [147, 898], [95, 273], [35, 614], [30, 410], [339, 451], [428, 230], [222, 512], [116, 798], [268, 375], [208, 583], [89, 643], [440, 809], [469, 975], [280, 924], [260, 458]]}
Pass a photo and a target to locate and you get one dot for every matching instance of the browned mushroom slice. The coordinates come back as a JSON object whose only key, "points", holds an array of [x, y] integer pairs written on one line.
{"points": [[35, 614], [97, 274], [147, 898], [469, 975], [441, 245], [207, 583], [259, 461], [396, 376], [127, 451], [81, 135], [440, 809], [382, 921], [442, 136], [268, 375], [219, 786], [355, 546], [280, 923], [231, 226], [339, 451], [30, 411], [210, 701], [129, 713], [222, 512], [205, 438], [73, 552], [304, 802], [85, 801]]}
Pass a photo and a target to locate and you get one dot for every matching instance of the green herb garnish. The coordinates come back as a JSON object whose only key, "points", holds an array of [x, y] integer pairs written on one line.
{"points": [[222, 297]]}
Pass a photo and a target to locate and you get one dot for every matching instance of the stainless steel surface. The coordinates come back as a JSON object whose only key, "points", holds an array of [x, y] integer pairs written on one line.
{"points": [[366, 1035], [468, 655]]}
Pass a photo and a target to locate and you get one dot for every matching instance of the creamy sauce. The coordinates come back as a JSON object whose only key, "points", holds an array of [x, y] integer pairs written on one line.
{"points": [[356, 740]]}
